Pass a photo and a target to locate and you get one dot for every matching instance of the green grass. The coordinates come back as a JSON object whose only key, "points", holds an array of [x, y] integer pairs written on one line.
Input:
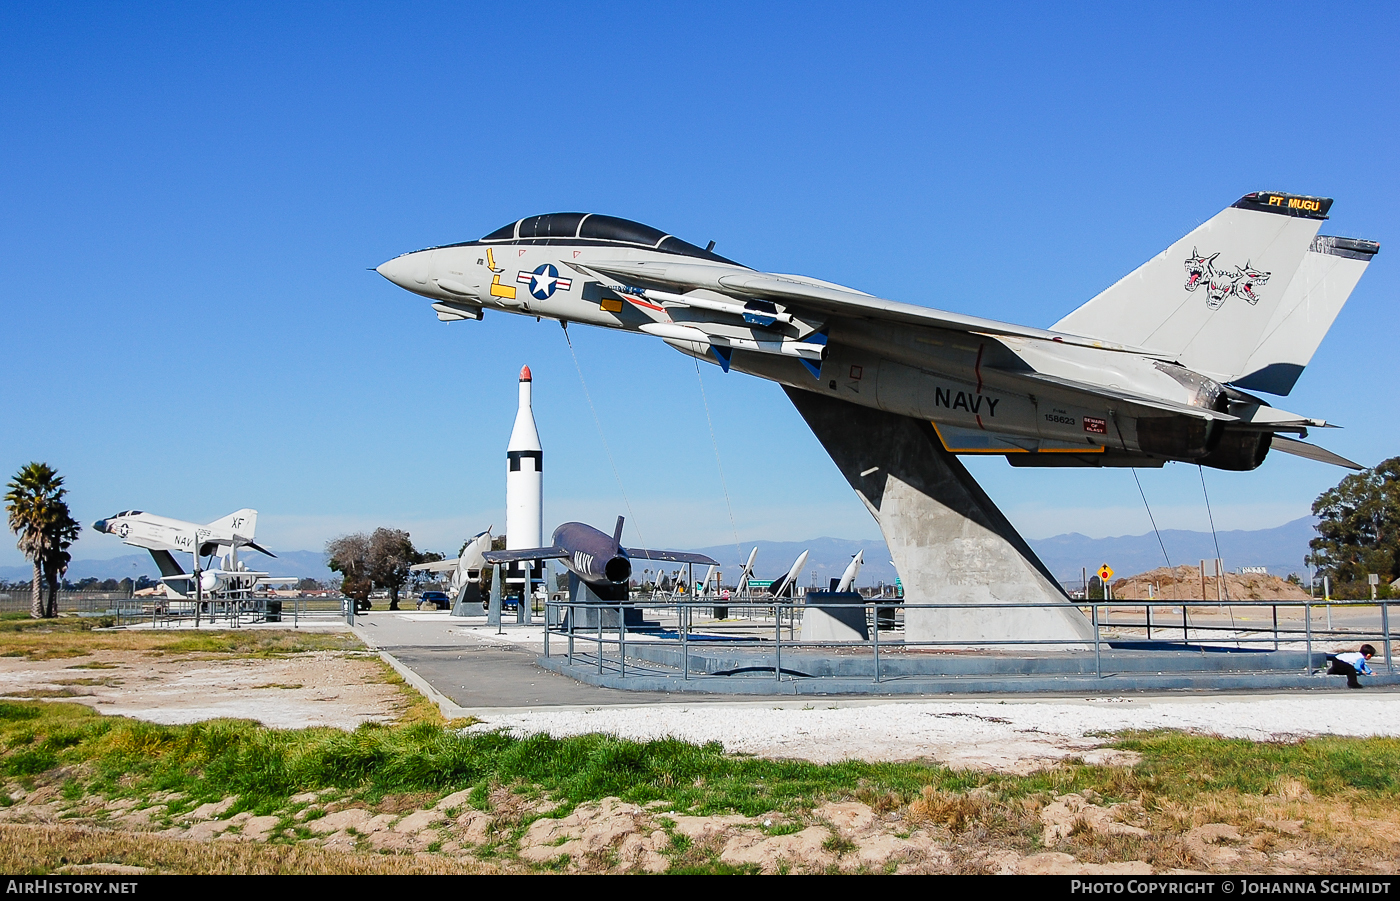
{"points": [[1194, 764], [114, 757], [69, 636]]}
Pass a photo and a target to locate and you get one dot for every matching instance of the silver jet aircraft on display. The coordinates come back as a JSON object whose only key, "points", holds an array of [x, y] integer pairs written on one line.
{"points": [[1158, 367], [221, 538], [1167, 364], [465, 569]]}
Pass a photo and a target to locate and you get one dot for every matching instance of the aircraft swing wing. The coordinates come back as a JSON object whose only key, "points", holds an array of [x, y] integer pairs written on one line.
{"points": [[822, 298]]}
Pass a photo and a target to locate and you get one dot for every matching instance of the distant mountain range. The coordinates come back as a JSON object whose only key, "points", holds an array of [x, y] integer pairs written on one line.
{"points": [[1280, 550]]}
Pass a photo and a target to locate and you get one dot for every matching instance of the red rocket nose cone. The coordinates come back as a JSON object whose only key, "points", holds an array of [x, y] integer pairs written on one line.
{"points": [[525, 373]]}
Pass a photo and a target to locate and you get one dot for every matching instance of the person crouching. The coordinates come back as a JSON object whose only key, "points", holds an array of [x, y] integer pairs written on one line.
{"points": [[1352, 664]]}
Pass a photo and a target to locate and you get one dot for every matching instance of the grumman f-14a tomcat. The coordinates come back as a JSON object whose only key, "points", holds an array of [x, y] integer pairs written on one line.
{"points": [[1163, 365]]}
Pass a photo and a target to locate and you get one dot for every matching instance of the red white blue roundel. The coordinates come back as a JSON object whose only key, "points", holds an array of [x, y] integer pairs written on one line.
{"points": [[543, 281]]}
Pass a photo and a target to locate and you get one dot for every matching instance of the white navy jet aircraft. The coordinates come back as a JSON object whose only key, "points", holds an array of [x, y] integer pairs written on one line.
{"points": [[222, 538], [1163, 365], [465, 568]]}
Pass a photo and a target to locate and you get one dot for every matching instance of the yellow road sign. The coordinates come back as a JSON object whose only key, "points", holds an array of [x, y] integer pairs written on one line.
{"points": [[1105, 572]]}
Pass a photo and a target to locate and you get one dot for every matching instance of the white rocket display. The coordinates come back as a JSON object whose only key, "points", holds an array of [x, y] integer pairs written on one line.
{"points": [[524, 477]]}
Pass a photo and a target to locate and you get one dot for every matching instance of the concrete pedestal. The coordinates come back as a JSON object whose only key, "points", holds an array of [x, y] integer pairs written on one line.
{"points": [[821, 622], [468, 601], [949, 542], [593, 609]]}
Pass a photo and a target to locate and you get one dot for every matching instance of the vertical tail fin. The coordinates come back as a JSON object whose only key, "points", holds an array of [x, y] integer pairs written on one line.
{"points": [[243, 523], [1207, 300], [1330, 270]]}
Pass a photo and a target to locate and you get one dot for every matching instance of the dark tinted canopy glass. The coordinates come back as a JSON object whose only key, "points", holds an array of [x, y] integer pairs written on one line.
{"points": [[504, 233], [611, 228], [556, 228], [554, 225]]}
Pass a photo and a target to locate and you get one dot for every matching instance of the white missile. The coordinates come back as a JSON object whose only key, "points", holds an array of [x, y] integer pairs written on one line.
{"points": [[789, 580], [746, 573], [705, 583], [524, 476], [701, 341], [848, 578]]}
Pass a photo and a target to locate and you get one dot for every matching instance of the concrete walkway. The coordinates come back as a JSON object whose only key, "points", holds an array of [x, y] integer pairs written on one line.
{"points": [[467, 668], [471, 669]]}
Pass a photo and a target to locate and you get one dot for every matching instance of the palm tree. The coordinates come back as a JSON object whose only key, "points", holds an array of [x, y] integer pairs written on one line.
{"points": [[38, 515]]}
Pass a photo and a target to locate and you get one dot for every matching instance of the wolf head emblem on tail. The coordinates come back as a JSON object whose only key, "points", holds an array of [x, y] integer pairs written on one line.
{"points": [[1247, 278], [1198, 269], [1238, 282]]}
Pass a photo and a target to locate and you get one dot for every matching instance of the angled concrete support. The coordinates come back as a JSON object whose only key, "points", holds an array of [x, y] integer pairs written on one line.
{"points": [[949, 542]]}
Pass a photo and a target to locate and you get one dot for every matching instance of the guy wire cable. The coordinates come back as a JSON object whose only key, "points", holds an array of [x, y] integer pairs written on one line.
{"points": [[1220, 563], [1155, 531], [738, 551], [1152, 519], [606, 449]]}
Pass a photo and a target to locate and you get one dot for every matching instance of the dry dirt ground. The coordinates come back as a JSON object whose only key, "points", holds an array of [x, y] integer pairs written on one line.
{"points": [[1185, 583], [319, 688], [1287, 831], [1072, 833]]}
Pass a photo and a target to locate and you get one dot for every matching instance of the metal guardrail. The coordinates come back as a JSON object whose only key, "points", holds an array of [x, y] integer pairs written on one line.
{"points": [[232, 613], [600, 639]]}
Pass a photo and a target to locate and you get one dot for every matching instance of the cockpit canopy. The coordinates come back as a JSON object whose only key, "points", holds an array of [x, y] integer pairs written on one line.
{"points": [[126, 513], [593, 229]]}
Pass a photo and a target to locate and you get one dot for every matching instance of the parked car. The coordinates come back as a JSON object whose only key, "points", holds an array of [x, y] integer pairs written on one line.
{"points": [[438, 600]]}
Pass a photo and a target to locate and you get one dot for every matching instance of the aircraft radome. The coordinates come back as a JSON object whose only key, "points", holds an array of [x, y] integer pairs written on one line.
{"points": [[1163, 365]]}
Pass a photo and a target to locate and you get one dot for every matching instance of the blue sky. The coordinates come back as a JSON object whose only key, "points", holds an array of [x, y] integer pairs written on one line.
{"points": [[193, 195]]}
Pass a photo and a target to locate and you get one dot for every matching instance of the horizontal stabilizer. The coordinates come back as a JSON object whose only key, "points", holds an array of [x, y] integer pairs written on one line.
{"points": [[670, 556], [1312, 452], [553, 552]]}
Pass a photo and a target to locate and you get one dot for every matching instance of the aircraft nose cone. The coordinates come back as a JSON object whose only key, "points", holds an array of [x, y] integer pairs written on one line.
{"points": [[397, 270], [100, 526]]}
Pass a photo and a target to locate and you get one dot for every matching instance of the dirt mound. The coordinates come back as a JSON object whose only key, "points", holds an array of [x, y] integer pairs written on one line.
{"points": [[1183, 583]]}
